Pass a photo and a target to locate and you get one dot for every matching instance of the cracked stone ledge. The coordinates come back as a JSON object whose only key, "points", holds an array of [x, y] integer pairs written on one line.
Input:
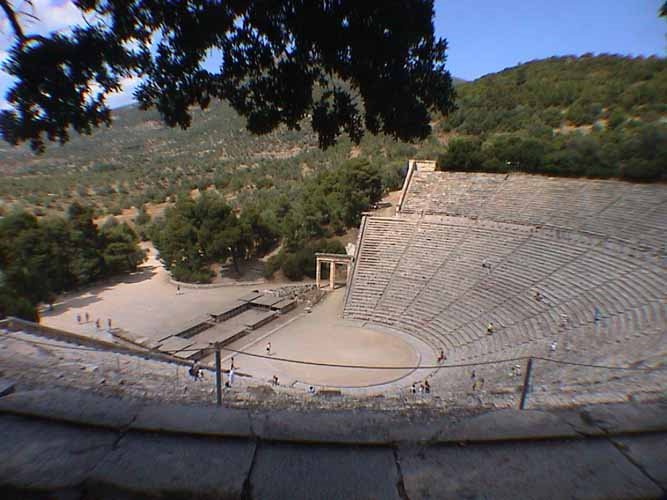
{"points": [[365, 427]]}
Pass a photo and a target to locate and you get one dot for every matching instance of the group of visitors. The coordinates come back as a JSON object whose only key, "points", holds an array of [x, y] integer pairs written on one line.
{"points": [[98, 322], [477, 383], [423, 388], [197, 373]]}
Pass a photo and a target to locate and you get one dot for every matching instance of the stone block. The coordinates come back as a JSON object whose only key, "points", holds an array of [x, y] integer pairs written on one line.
{"points": [[209, 420], [38, 456], [363, 427], [318, 472], [71, 406], [535, 470], [505, 425], [617, 418], [6, 387], [649, 452], [145, 465]]}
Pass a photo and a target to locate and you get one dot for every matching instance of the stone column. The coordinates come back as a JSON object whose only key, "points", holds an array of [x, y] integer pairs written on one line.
{"points": [[317, 273], [332, 274]]}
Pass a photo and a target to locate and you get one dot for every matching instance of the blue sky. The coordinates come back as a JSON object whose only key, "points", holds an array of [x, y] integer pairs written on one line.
{"points": [[484, 36]]}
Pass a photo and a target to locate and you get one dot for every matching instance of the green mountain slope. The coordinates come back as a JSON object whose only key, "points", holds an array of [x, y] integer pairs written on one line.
{"points": [[592, 115], [602, 116], [562, 91]]}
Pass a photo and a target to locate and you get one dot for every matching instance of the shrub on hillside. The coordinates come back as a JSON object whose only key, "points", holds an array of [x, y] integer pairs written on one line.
{"points": [[185, 274], [463, 154]]}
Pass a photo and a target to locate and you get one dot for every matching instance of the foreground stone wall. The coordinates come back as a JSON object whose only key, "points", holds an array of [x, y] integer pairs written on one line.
{"points": [[72, 445]]}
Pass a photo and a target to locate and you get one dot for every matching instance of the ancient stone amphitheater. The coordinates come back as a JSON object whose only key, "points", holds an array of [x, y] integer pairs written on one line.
{"points": [[571, 273], [569, 269]]}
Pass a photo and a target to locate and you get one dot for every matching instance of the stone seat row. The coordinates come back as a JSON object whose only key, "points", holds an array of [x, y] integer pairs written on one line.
{"points": [[608, 207], [448, 299]]}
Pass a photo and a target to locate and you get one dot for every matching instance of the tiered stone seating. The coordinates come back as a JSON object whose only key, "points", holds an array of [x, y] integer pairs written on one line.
{"points": [[584, 245], [383, 244], [632, 212]]}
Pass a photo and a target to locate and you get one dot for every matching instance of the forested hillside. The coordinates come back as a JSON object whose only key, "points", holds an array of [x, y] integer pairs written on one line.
{"points": [[601, 116], [597, 116]]}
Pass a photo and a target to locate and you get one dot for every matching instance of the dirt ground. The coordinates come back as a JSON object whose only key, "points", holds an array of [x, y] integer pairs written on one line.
{"points": [[144, 303], [148, 306], [323, 337]]}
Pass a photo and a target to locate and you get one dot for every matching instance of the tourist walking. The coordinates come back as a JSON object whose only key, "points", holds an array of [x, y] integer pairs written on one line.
{"points": [[231, 377], [195, 371], [487, 266], [268, 349]]}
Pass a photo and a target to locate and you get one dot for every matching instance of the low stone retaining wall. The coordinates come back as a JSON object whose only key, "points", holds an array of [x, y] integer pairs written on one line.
{"points": [[19, 325], [205, 286], [74, 445]]}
